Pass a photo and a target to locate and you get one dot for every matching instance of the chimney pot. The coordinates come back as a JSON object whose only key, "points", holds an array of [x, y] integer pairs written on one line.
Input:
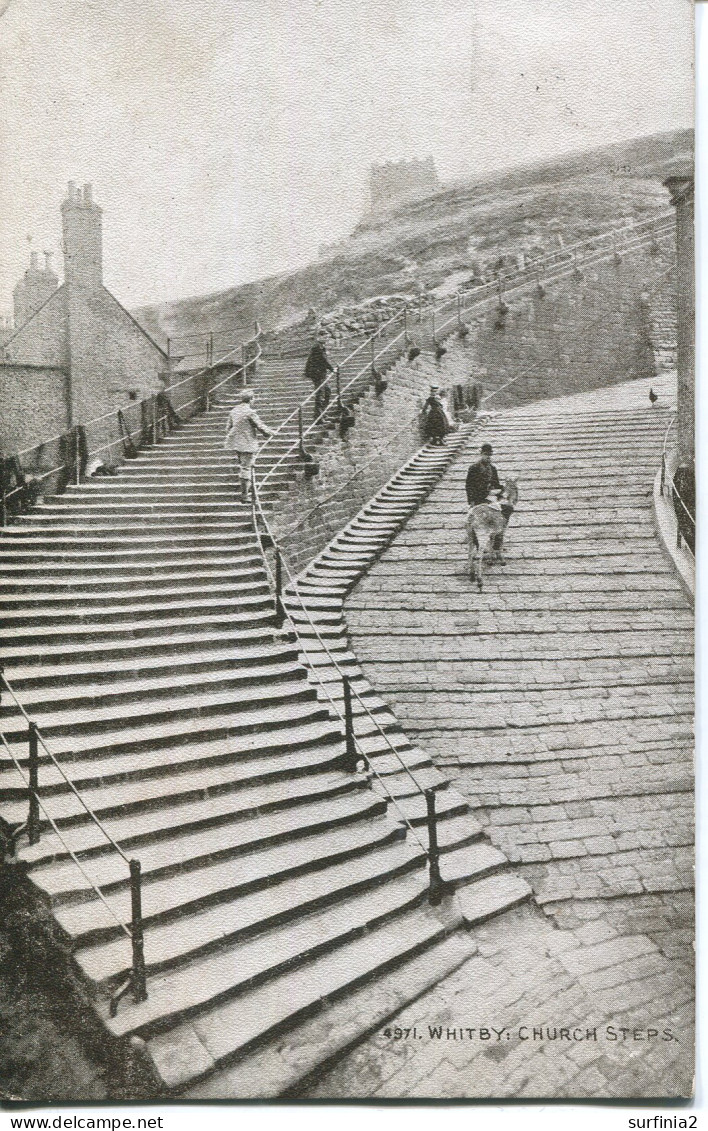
{"points": [[88, 194], [71, 191], [33, 259]]}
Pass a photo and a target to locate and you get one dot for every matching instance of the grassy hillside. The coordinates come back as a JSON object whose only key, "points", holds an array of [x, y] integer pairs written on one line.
{"points": [[469, 228]]}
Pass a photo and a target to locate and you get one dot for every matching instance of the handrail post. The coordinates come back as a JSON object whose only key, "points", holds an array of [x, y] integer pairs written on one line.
{"points": [[279, 607], [405, 326], [373, 353], [663, 473], [211, 347], [77, 455], [459, 311], [350, 745], [433, 324], [300, 430], [339, 388], [243, 363], [136, 933], [3, 475], [33, 818], [154, 418], [169, 352], [435, 889]]}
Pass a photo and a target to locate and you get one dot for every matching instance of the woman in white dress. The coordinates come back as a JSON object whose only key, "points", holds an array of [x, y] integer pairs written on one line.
{"points": [[242, 431]]}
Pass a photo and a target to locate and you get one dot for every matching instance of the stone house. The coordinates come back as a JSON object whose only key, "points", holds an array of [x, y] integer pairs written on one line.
{"points": [[76, 352]]}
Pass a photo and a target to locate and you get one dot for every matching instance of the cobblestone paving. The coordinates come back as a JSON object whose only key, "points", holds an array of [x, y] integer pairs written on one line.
{"points": [[561, 701]]}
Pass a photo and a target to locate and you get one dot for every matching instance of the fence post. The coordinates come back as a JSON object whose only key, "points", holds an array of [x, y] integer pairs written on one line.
{"points": [[350, 745], [136, 933], [435, 890], [33, 818], [279, 607]]}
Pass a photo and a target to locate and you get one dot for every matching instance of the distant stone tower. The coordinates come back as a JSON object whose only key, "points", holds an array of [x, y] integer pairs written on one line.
{"points": [[34, 288], [395, 182]]}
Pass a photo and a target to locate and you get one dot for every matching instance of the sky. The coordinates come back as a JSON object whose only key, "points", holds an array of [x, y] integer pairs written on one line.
{"points": [[227, 139]]}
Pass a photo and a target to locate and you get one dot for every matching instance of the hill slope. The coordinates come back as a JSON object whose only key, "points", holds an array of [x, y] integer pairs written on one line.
{"points": [[470, 227]]}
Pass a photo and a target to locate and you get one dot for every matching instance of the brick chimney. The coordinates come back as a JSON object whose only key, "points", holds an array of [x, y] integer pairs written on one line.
{"points": [[81, 226]]}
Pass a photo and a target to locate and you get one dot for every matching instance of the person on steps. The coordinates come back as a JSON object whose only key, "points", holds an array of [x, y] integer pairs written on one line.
{"points": [[435, 420], [483, 483], [317, 367], [242, 431]]}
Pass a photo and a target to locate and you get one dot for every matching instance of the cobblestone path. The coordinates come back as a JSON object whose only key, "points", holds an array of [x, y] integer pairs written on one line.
{"points": [[560, 701]]}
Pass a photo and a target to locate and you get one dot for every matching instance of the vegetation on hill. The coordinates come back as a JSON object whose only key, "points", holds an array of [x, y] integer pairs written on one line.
{"points": [[467, 229]]}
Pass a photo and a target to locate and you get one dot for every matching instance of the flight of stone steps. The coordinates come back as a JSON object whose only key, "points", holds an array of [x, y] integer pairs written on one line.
{"points": [[140, 636]]}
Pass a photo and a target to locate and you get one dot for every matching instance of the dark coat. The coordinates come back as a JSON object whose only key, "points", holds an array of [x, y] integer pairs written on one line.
{"points": [[318, 364], [481, 479], [435, 422]]}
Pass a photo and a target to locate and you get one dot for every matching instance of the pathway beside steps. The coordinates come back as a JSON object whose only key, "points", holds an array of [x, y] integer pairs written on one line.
{"points": [[559, 701], [141, 637]]}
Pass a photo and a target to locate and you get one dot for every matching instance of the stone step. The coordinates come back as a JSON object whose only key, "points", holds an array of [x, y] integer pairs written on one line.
{"points": [[157, 605], [170, 897], [336, 1028], [96, 719], [143, 627], [225, 1030], [197, 769], [170, 942], [33, 599], [155, 735], [201, 640], [114, 691], [56, 674], [184, 852]]}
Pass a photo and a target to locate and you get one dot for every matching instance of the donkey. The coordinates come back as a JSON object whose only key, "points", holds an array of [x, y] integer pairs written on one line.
{"points": [[486, 524]]}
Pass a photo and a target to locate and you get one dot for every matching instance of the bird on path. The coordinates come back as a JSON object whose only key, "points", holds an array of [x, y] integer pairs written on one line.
{"points": [[413, 352], [653, 397], [440, 351]]}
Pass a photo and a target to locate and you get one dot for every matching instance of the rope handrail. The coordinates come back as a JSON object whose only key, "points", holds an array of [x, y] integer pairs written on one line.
{"points": [[123, 926], [334, 662], [57, 765]]}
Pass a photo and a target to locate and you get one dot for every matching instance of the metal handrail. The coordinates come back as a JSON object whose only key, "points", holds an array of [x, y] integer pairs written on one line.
{"points": [[525, 275], [137, 980], [257, 512], [666, 475]]}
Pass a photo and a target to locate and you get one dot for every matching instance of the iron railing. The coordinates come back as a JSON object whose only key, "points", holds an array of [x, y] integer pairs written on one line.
{"points": [[447, 316], [286, 593], [137, 982], [685, 517], [138, 423]]}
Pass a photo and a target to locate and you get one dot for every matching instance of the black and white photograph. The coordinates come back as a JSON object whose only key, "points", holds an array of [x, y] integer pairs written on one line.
{"points": [[347, 551]]}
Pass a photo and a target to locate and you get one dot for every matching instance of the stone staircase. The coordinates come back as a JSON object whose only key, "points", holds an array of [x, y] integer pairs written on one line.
{"points": [[560, 699], [141, 637]]}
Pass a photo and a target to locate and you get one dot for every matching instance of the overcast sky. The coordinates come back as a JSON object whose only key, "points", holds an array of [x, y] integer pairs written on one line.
{"points": [[226, 139]]}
